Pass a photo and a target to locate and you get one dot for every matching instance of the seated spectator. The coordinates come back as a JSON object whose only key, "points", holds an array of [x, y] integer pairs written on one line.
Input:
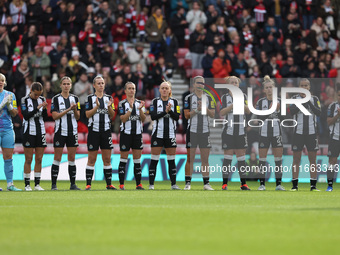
{"points": [[221, 67], [195, 16], [217, 44], [126, 74], [321, 71], [211, 33], [119, 32], [117, 68], [197, 44], [63, 64], [47, 92], [207, 62], [327, 43], [102, 26], [30, 39], [155, 27], [40, 63], [290, 70]]}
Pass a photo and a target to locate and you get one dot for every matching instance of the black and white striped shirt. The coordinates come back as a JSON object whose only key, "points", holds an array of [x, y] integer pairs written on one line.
{"points": [[134, 125], [236, 123], [306, 124], [271, 123], [67, 125], [100, 121], [198, 123], [164, 125], [33, 122], [334, 129]]}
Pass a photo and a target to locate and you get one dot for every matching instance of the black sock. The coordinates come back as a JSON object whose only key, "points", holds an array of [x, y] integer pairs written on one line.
{"points": [[205, 180], [121, 171], [72, 171], [152, 171], [313, 183], [225, 170], [330, 175], [137, 171], [37, 178], [27, 178], [278, 171], [89, 174], [108, 174], [262, 166], [295, 182], [172, 171], [241, 170], [188, 180], [54, 173]]}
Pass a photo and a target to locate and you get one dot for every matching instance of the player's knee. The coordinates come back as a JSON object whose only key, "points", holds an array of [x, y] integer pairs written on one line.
{"points": [[38, 160]]}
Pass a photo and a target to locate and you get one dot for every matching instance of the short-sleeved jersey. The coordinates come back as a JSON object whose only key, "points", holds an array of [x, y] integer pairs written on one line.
{"points": [[334, 129], [100, 121], [306, 124], [33, 122], [198, 123], [5, 116], [271, 123], [236, 123], [134, 125], [67, 124], [164, 127]]}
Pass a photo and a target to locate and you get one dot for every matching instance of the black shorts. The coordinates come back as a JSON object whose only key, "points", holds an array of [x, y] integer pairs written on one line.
{"points": [[333, 148], [99, 139], [299, 141], [275, 141], [34, 141], [202, 140], [59, 141], [232, 142], [163, 142], [128, 142]]}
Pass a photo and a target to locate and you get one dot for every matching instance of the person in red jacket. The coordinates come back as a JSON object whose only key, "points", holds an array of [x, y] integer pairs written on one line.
{"points": [[119, 32], [221, 67], [88, 36]]}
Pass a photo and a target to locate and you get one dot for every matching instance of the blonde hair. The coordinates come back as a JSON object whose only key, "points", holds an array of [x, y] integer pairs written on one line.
{"points": [[129, 82], [267, 79], [4, 78], [232, 77], [65, 78], [96, 78], [170, 86], [306, 80]]}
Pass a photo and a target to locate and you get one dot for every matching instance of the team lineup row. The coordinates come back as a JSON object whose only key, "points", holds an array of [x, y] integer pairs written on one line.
{"points": [[164, 112]]}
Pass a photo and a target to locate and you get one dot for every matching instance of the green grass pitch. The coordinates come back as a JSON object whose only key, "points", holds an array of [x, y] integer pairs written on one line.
{"points": [[169, 222]]}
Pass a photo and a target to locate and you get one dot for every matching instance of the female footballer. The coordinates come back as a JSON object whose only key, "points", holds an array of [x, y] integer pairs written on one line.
{"points": [[8, 109], [164, 111], [65, 111], [305, 134], [33, 109], [99, 111], [131, 111], [270, 134], [234, 137]]}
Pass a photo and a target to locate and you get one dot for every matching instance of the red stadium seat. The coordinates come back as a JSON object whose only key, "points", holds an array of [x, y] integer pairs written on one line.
{"points": [[49, 104], [82, 150], [18, 149], [47, 49], [147, 103], [49, 138], [81, 138], [49, 150], [181, 150], [82, 128], [18, 43], [114, 138], [179, 139], [116, 150], [188, 73], [51, 39], [49, 126], [197, 72], [146, 138], [182, 52], [146, 150], [187, 64], [42, 40]]}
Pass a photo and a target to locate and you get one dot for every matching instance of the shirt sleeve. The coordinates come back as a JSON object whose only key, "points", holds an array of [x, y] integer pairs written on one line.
{"points": [[88, 103], [77, 102], [54, 105], [14, 101], [24, 110], [187, 103], [121, 109], [330, 111], [211, 103]]}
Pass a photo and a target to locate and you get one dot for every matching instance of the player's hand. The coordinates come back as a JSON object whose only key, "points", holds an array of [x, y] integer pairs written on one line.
{"points": [[168, 108], [109, 103], [9, 99], [199, 106], [338, 112], [97, 102], [142, 103], [73, 106]]}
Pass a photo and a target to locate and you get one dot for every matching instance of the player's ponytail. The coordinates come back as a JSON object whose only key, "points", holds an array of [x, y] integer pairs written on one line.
{"points": [[267, 79]]}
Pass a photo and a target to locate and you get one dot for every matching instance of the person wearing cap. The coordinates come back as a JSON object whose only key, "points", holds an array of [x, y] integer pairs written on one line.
{"points": [[16, 58], [40, 63], [136, 56]]}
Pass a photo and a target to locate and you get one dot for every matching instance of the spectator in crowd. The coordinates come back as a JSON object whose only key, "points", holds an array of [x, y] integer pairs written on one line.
{"points": [[48, 21], [121, 54], [290, 70], [89, 57], [319, 26], [291, 28], [326, 42], [55, 56], [155, 27], [102, 26], [18, 79], [245, 19], [270, 28], [160, 73], [308, 13], [141, 21], [88, 36], [13, 33], [141, 80], [34, 13], [136, 56], [211, 15], [221, 66], [63, 64], [169, 48], [250, 61], [195, 16], [179, 24], [30, 39], [222, 30], [40, 63], [302, 54], [240, 66], [4, 43], [105, 57], [82, 88], [207, 62], [329, 15], [106, 12], [18, 11], [119, 32], [197, 45]]}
